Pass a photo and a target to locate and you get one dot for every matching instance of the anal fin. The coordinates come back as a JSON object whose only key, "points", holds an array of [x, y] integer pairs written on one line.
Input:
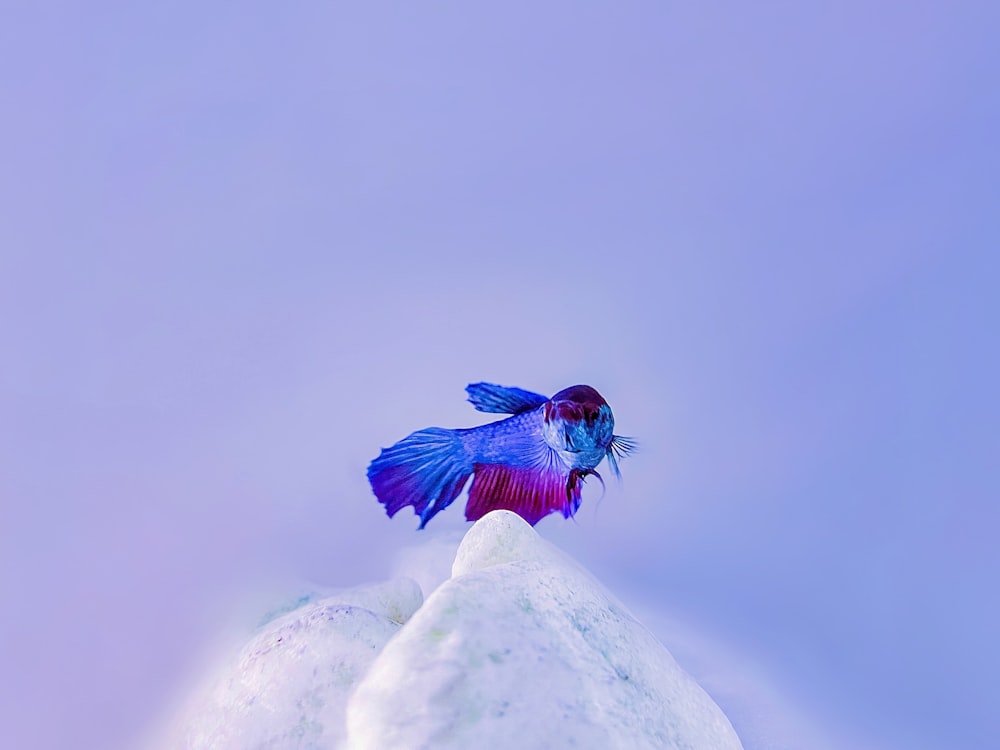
{"points": [[532, 493]]}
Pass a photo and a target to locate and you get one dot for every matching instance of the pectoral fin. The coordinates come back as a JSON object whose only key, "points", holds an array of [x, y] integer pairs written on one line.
{"points": [[618, 448]]}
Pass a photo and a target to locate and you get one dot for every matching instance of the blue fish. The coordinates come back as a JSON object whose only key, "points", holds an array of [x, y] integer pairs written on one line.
{"points": [[533, 462]]}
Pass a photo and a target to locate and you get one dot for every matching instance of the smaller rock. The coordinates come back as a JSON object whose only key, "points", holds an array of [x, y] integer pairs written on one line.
{"points": [[289, 685]]}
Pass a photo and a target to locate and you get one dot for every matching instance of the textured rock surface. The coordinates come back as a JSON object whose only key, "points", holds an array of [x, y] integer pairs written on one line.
{"points": [[520, 648], [289, 686]]}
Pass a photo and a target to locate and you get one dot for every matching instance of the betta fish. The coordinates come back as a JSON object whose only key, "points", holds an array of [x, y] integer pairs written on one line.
{"points": [[533, 462]]}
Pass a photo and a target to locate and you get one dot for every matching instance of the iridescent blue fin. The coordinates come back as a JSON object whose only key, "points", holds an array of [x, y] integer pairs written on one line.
{"points": [[499, 399], [426, 470]]}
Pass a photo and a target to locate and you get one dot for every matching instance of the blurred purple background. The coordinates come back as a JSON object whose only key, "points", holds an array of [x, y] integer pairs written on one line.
{"points": [[241, 249]]}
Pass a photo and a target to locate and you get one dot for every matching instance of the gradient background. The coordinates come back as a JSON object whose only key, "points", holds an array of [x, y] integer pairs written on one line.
{"points": [[243, 248]]}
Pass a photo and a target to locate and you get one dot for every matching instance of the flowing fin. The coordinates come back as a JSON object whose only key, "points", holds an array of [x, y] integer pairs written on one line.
{"points": [[619, 448], [532, 493], [426, 470], [499, 399]]}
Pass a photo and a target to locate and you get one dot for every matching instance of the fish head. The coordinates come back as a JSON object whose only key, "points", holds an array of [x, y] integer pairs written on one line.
{"points": [[579, 426]]}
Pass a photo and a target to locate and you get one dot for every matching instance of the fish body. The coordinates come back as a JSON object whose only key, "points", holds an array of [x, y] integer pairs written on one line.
{"points": [[533, 462]]}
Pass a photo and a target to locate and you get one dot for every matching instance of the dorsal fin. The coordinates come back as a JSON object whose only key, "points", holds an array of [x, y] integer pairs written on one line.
{"points": [[499, 399]]}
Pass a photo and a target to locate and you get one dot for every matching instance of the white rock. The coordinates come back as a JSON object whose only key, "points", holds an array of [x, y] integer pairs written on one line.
{"points": [[520, 648], [523, 649], [289, 686], [499, 537]]}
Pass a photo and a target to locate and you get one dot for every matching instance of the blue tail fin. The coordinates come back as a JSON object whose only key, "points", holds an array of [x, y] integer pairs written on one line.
{"points": [[426, 470]]}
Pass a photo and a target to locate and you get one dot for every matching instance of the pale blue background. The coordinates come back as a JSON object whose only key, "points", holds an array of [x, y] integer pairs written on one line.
{"points": [[242, 248]]}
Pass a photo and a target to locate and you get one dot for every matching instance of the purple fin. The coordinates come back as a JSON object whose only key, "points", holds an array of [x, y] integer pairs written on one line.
{"points": [[426, 470], [532, 493], [499, 399]]}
